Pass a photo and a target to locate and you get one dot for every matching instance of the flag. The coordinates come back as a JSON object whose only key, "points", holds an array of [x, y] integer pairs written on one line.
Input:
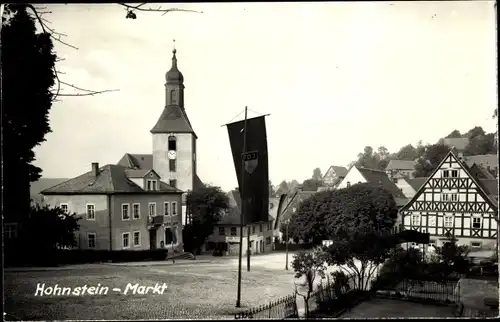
{"points": [[254, 162]]}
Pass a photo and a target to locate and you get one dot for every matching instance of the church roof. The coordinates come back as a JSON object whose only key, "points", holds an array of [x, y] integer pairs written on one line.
{"points": [[174, 76], [173, 119]]}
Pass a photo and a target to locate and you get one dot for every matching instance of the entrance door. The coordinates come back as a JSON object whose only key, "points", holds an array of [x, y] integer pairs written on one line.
{"points": [[152, 238]]}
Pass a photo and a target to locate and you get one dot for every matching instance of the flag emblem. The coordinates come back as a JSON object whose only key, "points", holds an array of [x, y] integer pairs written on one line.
{"points": [[250, 160]]}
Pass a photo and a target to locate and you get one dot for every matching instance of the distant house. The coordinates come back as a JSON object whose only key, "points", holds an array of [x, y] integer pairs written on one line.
{"points": [[121, 208], [453, 200], [226, 235], [333, 176], [487, 161], [409, 187], [402, 167]]}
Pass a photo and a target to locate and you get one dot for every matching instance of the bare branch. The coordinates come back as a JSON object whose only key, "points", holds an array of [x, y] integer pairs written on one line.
{"points": [[131, 8]]}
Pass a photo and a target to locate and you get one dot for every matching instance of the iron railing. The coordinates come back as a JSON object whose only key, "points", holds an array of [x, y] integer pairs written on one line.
{"points": [[285, 307], [446, 292]]}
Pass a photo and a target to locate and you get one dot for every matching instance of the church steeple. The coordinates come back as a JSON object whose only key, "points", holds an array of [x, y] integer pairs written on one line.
{"points": [[174, 76]]}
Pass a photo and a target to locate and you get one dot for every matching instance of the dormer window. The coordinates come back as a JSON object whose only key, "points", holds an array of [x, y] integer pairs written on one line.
{"points": [[172, 143], [151, 185]]}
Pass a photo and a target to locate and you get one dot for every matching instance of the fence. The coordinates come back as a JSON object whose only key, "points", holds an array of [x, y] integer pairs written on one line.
{"points": [[445, 292], [282, 308]]}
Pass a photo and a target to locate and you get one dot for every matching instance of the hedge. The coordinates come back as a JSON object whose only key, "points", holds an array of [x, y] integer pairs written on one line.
{"points": [[55, 257]]}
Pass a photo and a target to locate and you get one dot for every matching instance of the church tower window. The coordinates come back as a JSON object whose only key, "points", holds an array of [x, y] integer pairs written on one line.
{"points": [[172, 143], [173, 97]]}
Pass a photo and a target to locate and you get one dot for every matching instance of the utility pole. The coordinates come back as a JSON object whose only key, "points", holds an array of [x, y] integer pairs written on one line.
{"points": [[242, 194]]}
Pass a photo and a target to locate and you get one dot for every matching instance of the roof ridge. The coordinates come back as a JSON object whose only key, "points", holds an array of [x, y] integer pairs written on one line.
{"points": [[370, 169]]}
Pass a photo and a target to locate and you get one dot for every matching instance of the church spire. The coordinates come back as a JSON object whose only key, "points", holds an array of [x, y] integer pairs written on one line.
{"points": [[174, 76]]}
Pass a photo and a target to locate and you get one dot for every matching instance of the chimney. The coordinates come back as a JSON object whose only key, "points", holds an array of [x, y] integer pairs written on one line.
{"points": [[95, 169], [460, 155]]}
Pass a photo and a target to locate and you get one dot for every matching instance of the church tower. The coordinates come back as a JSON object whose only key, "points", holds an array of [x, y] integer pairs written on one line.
{"points": [[174, 141]]}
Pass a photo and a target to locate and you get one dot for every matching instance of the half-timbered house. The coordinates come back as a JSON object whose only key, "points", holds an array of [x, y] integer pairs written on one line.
{"points": [[454, 201]]}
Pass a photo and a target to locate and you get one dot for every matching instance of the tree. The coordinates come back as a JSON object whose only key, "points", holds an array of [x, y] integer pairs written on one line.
{"points": [[207, 205], [433, 155], [358, 219], [454, 134], [50, 228], [408, 152], [311, 185], [308, 265], [27, 76], [317, 174]]}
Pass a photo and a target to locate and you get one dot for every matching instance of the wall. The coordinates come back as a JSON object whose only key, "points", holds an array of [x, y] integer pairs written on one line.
{"points": [[353, 176], [254, 237], [185, 163], [406, 188], [122, 226], [78, 204]]}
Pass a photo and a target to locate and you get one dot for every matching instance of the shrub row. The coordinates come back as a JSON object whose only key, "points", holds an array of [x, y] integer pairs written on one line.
{"points": [[292, 247], [37, 257]]}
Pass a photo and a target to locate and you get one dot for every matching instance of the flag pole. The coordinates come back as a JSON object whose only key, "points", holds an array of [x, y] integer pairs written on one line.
{"points": [[238, 301]]}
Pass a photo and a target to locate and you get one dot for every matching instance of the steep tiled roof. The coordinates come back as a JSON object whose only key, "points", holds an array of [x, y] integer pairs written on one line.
{"points": [[173, 119], [339, 171], [145, 162], [458, 143], [137, 173], [381, 178], [400, 165], [111, 179], [416, 183], [43, 183], [484, 160], [137, 161], [479, 172], [490, 186]]}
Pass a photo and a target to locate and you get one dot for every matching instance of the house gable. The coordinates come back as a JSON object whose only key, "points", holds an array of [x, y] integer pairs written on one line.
{"points": [[457, 198]]}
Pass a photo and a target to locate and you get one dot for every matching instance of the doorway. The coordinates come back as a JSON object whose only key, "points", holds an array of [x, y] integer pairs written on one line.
{"points": [[152, 238]]}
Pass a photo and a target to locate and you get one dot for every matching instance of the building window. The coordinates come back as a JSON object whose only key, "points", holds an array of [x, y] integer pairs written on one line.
{"points": [[268, 240], [125, 212], [151, 185], [64, 207], [448, 221], [415, 220], [174, 208], [475, 245], [194, 156], [126, 240], [152, 209], [172, 143], [222, 231], [10, 230], [445, 197], [137, 238], [260, 228], [172, 165], [253, 229], [233, 231], [173, 96], [446, 174], [454, 197], [90, 212], [166, 205], [476, 222], [432, 242], [454, 173], [170, 236], [91, 240], [136, 210], [173, 183], [348, 184]]}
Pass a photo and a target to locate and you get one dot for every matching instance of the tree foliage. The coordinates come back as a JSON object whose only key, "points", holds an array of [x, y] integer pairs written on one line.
{"points": [[206, 205], [27, 76], [431, 158], [309, 265], [317, 174], [50, 228]]}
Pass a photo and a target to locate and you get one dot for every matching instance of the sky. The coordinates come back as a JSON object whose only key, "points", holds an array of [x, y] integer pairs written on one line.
{"points": [[334, 77]]}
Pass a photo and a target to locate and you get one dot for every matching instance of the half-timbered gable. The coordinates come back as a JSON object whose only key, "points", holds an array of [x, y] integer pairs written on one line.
{"points": [[454, 201]]}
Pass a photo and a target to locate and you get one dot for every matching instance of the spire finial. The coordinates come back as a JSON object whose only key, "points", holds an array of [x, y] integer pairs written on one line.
{"points": [[174, 50]]}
